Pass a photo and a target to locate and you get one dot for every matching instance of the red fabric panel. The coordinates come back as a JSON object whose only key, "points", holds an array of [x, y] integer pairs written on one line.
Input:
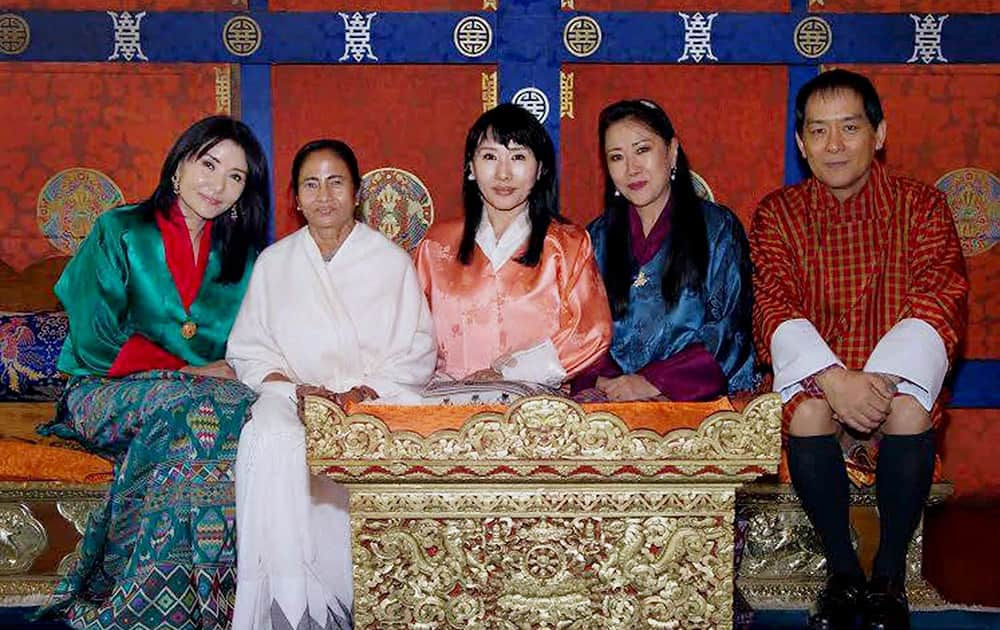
{"points": [[776, 6], [129, 5], [59, 116], [185, 270], [943, 118], [736, 143], [410, 117], [906, 6], [375, 5], [968, 446], [961, 552], [140, 354]]}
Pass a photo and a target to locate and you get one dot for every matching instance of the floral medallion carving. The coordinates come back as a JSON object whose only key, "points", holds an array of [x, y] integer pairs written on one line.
{"points": [[22, 538]]}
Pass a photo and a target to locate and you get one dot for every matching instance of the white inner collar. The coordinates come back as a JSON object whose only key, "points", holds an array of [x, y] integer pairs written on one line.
{"points": [[500, 250]]}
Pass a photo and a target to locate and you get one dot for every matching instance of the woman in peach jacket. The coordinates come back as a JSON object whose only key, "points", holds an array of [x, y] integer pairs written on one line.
{"points": [[513, 287]]}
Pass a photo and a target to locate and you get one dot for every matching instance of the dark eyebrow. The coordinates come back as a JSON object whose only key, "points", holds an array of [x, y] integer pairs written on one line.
{"points": [[217, 161], [811, 121]]}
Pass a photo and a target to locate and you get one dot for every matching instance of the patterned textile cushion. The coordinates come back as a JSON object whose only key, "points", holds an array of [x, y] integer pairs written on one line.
{"points": [[29, 346]]}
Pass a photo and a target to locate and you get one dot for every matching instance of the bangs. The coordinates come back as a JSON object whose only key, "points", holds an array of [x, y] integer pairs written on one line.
{"points": [[506, 135]]}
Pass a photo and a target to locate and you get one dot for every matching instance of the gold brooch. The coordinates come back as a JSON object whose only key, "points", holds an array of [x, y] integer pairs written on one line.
{"points": [[641, 279], [188, 329]]}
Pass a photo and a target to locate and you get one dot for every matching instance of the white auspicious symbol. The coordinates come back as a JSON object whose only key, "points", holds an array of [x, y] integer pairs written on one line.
{"points": [[127, 42], [697, 37], [533, 100], [473, 36], [927, 38], [358, 36]]}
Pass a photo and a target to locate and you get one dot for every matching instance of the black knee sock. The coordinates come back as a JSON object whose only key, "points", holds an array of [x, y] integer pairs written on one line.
{"points": [[903, 480], [820, 480]]}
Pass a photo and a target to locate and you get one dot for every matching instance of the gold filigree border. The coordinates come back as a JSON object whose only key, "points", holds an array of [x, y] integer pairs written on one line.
{"points": [[416, 500], [772, 495], [543, 437], [785, 594], [49, 491]]}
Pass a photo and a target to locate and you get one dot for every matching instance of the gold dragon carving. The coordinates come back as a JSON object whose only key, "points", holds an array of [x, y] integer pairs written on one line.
{"points": [[548, 569]]}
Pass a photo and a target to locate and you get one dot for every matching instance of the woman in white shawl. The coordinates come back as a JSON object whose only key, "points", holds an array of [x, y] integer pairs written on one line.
{"points": [[336, 305]]}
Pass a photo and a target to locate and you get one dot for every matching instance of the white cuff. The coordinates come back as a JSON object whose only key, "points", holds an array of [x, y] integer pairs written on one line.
{"points": [[789, 392], [919, 394], [537, 364], [797, 352], [915, 352], [251, 373]]}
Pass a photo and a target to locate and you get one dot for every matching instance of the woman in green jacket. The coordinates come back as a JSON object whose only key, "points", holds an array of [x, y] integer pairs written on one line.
{"points": [[151, 296]]}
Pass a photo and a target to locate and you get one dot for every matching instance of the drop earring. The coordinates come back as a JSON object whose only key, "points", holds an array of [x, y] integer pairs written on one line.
{"points": [[618, 193], [177, 184], [673, 173]]}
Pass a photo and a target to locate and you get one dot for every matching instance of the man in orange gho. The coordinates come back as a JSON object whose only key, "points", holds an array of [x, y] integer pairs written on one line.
{"points": [[860, 293]]}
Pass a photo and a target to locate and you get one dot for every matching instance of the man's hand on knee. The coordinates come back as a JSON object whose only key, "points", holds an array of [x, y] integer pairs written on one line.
{"points": [[860, 400]]}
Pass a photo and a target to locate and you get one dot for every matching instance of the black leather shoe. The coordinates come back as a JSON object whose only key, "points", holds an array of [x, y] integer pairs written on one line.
{"points": [[885, 606], [838, 603]]}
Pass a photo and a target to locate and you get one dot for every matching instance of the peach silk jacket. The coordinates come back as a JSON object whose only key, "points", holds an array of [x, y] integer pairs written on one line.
{"points": [[481, 313]]}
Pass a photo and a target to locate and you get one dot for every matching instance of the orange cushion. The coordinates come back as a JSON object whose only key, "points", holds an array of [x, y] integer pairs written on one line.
{"points": [[22, 461], [660, 417]]}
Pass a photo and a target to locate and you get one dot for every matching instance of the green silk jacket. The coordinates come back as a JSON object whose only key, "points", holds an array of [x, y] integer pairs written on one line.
{"points": [[118, 284]]}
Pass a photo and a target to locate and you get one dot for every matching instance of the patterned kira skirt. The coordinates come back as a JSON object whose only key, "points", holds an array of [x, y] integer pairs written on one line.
{"points": [[161, 552]]}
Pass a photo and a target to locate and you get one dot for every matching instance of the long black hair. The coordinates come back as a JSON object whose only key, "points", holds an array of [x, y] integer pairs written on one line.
{"points": [[337, 147], [234, 238], [508, 124], [687, 260]]}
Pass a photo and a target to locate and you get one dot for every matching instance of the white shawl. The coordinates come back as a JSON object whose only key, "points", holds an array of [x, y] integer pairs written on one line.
{"points": [[359, 319]]}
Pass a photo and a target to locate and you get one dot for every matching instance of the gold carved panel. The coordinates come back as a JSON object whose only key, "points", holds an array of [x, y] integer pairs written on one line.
{"points": [[22, 538], [77, 513], [511, 557], [543, 437], [783, 564]]}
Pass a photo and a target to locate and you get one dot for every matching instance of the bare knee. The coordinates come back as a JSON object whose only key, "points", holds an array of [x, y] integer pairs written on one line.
{"points": [[813, 417], [906, 417]]}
